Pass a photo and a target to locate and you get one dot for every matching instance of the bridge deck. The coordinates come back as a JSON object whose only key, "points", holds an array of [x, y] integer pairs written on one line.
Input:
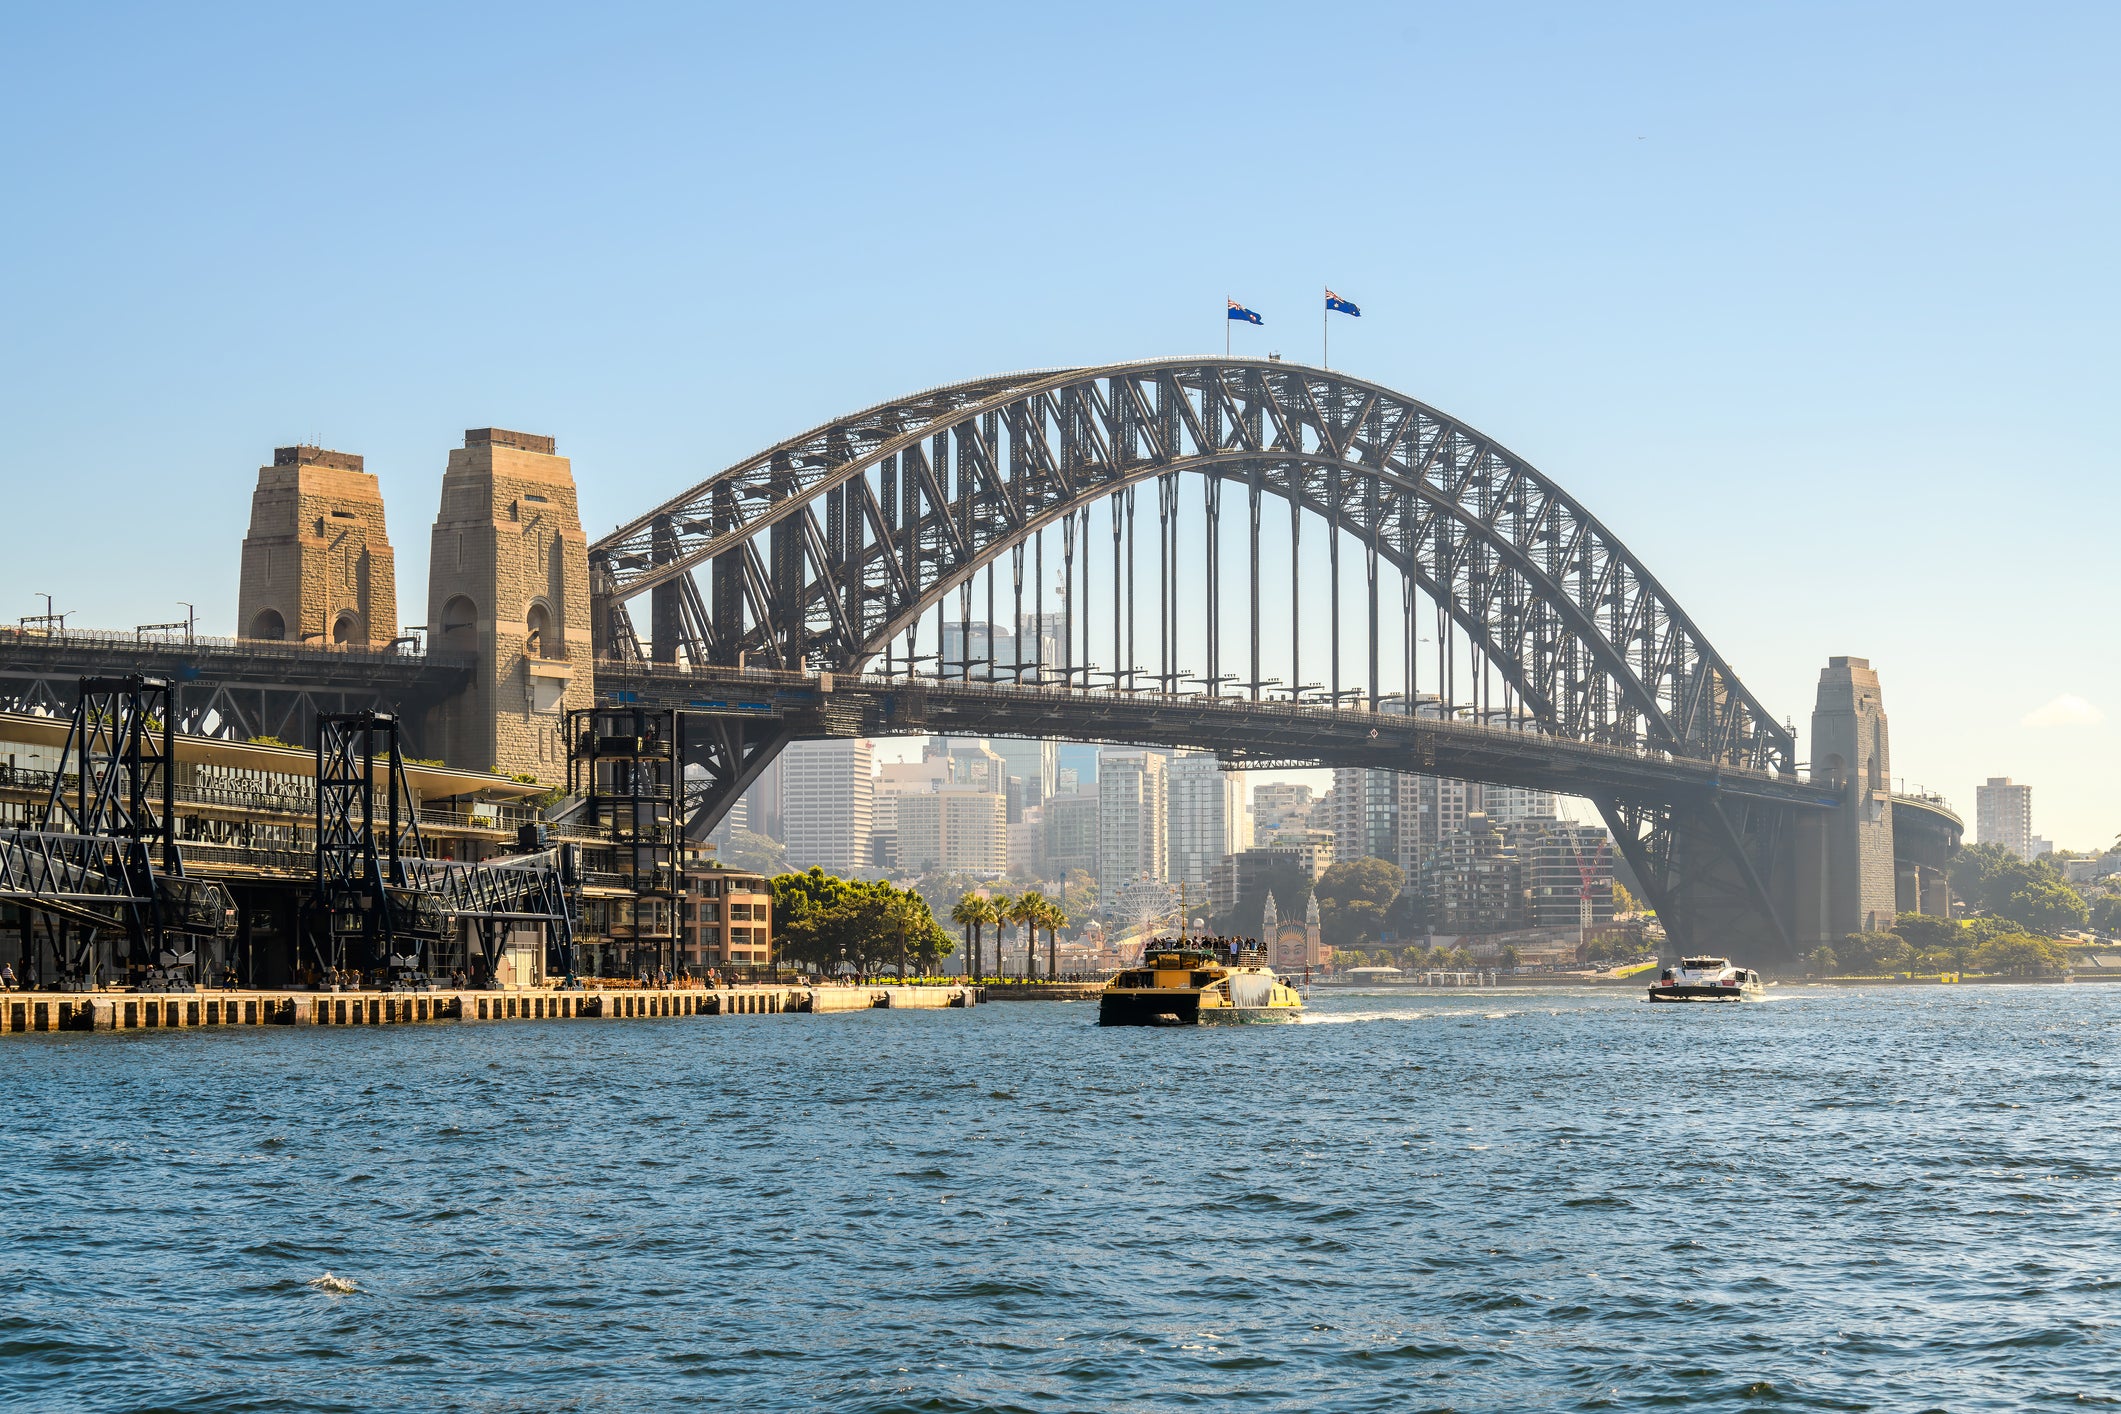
{"points": [[1241, 731]]}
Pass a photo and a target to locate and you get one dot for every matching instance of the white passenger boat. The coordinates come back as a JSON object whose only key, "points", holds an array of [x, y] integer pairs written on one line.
{"points": [[1707, 979]]}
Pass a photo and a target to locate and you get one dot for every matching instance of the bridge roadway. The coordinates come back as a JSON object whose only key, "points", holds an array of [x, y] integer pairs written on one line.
{"points": [[1241, 731], [242, 689], [236, 689]]}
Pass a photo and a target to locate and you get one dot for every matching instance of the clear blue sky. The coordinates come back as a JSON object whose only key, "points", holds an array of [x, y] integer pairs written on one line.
{"points": [[1816, 305]]}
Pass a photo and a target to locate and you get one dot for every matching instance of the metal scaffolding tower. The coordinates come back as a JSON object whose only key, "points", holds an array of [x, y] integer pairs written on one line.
{"points": [[627, 764]]}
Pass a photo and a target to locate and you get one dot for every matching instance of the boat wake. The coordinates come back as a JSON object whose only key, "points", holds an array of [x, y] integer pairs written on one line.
{"points": [[1421, 1014]]}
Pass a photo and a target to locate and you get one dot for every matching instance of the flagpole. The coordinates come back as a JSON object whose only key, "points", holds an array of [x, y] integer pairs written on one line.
{"points": [[1226, 326], [1325, 334]]}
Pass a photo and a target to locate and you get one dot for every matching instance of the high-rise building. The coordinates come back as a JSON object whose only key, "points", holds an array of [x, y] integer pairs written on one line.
{"points": [[1280, 805], [2003, 814], [955, 829], [1027, 842], [992, 651], [1133, 801], [1082, 760], [896, 780], [1566, 866], [1241, 873], [1364, 814], [2039, 845], [1515, 805], [827, 804], [1476, 882], [1070, 821], [1041, 641], [975, 763], [762, 802], [1207, 820], [1035, 763]]}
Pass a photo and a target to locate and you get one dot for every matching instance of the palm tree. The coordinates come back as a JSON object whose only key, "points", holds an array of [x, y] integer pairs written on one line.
{"points": [[1004, 915], [1053, 920], [974, 911], [1024, 910]]}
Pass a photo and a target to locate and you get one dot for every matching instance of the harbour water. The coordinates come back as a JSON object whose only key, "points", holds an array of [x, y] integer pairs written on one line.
{"points": [[1900, 1198]]}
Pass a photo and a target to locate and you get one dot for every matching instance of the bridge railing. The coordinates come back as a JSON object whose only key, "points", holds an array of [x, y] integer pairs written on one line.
{"points": [[263, 649]]}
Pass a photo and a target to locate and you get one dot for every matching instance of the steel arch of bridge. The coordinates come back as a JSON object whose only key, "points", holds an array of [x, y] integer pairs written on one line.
{"points": [[823, 549]]}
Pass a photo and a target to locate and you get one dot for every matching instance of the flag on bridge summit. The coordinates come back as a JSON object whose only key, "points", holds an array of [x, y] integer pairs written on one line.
{"points": [[1336, 305], [1238, 311]]}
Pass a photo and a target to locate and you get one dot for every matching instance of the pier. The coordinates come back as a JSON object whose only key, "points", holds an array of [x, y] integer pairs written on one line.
{"points": [[25, 1013]]}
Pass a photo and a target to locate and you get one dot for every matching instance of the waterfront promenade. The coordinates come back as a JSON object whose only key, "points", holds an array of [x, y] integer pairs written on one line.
{"points": [[28, 1013]]}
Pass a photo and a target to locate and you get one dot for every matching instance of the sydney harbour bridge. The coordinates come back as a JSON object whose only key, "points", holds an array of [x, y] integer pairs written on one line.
{"points": [[1284, 565]]}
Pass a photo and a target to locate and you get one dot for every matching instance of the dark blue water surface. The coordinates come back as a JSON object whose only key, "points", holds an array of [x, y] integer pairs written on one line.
{"points": [[1841, 1199]]}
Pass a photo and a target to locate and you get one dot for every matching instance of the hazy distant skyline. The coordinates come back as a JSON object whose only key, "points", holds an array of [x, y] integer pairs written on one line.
{"points": [[1814, 305]]}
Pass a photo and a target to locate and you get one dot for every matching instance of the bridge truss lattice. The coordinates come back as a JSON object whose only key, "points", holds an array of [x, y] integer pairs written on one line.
{"points": [[1429, 571]]}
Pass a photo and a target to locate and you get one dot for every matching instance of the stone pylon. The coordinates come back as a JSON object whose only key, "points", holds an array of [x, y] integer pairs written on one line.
{"points": [[508, 586], [317, 563], [1845, 873]]}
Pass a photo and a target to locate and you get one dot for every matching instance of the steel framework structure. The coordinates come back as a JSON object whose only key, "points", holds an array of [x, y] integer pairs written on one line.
{"points": [[107, 860], [375, 883], [822, 550], [827, 553], [627, 765]]}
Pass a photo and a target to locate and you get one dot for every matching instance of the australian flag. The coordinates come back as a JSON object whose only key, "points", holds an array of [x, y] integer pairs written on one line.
{"points": [[1238, 311], [1337, 305]]}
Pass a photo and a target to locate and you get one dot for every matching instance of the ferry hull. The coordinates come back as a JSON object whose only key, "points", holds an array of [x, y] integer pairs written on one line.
{"points": [[1138, 1010], [1183, 1010], [1704, 994]]}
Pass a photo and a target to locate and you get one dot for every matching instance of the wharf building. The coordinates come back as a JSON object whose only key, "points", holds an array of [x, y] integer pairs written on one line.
{"points": [[725, 918], [246, 814]]}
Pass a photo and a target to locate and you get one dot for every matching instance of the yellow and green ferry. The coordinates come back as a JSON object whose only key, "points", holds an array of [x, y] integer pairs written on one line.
{"points": [[1197, 981]]}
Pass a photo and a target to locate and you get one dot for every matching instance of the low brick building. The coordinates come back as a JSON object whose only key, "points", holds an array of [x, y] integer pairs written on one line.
{"points": [[725, 919]]}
